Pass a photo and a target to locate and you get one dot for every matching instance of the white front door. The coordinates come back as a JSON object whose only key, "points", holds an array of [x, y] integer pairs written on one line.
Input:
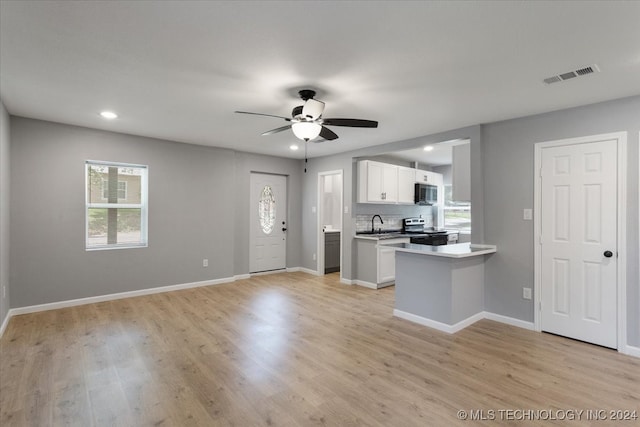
{"points": [[268, 216], [578, 241]]}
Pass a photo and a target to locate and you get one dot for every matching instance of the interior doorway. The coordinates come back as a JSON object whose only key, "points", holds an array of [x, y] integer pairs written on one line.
{"points": [[580, 271], [330, 208]]}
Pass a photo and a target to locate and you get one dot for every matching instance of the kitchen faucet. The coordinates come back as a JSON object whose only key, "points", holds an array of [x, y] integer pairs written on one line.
{"points": [[373, 230]]}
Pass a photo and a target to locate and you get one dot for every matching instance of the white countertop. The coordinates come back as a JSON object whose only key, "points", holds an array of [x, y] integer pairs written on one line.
{"points": [[382, 236], [458, 250]]}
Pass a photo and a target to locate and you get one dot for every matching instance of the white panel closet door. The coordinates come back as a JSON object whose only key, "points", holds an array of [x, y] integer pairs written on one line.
{"points": [[578, 231]]}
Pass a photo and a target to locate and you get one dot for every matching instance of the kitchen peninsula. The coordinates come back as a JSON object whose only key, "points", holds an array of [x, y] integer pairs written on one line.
{"points": [[440, 286]]}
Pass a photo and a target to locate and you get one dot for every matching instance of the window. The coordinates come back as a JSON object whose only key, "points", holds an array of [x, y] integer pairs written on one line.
{"points": [[116, 205], [267, 210], [457, 215]]}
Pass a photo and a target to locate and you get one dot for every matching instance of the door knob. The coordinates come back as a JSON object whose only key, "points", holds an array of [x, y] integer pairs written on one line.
{"points": [[608, 254]]}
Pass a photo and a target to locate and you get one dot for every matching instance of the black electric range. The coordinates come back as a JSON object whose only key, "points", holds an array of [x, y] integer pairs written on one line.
{"points": [[421, 236]]}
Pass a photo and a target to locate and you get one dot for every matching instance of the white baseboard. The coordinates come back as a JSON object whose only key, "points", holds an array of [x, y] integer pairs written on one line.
{"points": [[365, 284], [509, 320], [116, 296], [346, 281], [443, 327], [303, 270], [266, 273], [630, 350], [451, 329], [241, 276]]}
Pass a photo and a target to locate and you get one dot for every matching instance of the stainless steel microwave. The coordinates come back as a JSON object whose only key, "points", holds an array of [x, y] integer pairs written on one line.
{"points": [[426, 194]]}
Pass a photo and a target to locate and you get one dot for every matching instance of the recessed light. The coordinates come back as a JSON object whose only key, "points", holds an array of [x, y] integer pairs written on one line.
{"points": [[109, 115], [293, 147], [428, 148]]}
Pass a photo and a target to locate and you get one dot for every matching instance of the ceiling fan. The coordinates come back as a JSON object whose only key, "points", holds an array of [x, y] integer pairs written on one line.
{"points": [[307, 122]]}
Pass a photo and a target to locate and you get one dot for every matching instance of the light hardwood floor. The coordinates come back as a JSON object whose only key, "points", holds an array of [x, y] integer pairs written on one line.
{"points": [[292, 350]]}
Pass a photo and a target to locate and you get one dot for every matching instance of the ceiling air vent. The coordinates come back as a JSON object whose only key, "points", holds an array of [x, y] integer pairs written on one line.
{"points": [[572, 74]]}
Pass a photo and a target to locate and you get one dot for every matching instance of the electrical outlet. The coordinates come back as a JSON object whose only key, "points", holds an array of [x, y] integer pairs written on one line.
{"points": [[205, 262], [313, 209], [526, 293], [314, 257]]}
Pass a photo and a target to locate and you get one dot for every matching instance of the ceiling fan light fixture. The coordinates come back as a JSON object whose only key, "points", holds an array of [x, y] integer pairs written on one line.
{"points": [[306, 130], [312, 109]]}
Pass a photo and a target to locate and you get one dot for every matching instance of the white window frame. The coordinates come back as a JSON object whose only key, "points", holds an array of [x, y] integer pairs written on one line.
{"points": [[143, 206]]}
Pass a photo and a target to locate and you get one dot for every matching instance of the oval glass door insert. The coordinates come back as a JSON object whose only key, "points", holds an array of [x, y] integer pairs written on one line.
{"points": [[267, 210]]}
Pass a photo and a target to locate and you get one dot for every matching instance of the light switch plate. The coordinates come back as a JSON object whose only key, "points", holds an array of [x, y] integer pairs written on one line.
{"points": [[526, 293], [313, 209], [527, 214]]}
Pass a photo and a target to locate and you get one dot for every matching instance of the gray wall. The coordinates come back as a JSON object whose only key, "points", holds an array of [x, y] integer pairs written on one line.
{"points": [[508, 156], [4, 212], [198, 208], [445, 171]]}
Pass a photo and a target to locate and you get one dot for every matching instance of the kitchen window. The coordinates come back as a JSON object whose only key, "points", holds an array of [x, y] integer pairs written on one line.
{"points": [[457, 215], [116, 205]]}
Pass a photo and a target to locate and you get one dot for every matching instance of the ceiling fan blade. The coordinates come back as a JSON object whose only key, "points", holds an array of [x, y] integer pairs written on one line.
{"points": [[354, 123], [262, 114], [272, 131], [327, 134], [312, 109]]}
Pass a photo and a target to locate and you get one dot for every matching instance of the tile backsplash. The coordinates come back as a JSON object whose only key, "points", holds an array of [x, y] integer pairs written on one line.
{"points": [[391, 222]]}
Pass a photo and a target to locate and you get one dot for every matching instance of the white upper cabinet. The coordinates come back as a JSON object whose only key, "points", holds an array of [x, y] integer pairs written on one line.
{"points": [[406, 185], [384, 183], [461, 173], [428, 177], [377, 182]]}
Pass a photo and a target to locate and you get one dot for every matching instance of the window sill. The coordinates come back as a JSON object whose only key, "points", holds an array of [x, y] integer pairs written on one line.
{"points": [[112, 247]]}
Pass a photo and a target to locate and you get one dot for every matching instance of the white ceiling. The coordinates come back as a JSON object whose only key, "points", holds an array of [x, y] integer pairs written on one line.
{"points": [[179, 70], [440, 154]]}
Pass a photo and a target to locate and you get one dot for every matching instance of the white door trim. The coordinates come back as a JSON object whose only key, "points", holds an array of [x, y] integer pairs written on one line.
{"points": [[320, 234], [621, 138]]}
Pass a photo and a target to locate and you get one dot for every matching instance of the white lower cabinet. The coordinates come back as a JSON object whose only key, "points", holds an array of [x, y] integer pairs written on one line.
{"points": [[386, 265], [375, 264]]}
